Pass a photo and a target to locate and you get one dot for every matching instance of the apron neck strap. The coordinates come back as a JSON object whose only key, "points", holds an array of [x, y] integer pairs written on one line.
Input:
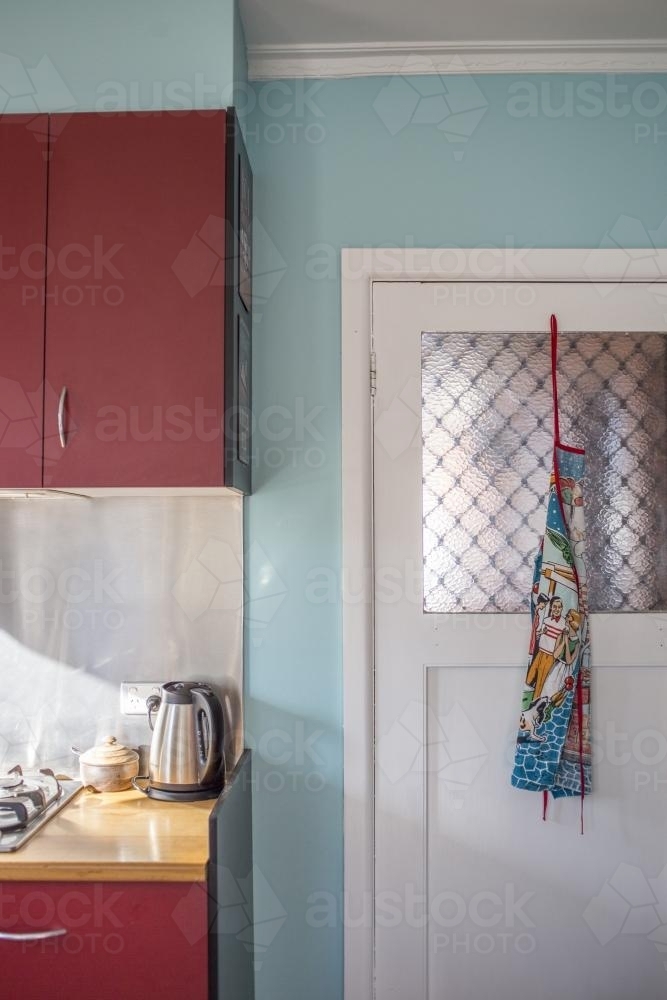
{"points": [[554, 378]]}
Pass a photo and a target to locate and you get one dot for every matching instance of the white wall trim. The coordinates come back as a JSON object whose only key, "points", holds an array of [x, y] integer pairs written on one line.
{"points": [[360, 268], [270, 62], [357, 559]]}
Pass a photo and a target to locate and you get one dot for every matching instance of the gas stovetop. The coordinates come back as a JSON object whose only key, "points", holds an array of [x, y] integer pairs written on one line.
{"points": [[28, 801]]}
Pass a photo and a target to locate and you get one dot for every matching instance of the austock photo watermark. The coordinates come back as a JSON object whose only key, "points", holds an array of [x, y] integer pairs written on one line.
{"points": [[94, 273], [453, 748], [33, 89], [501, 919], [73, 922], [452, 103], [483, 922], [84, 596], [95, 593], [607, 95], [203, 262], [497, 275], [21, 418], [99, 920], [284, 436], [289, 758], [289, 435], [420, 94], [640, 246], [289, 110], [631, 902], [246, 909], [505, 261], [446, 746], [74, 275]]}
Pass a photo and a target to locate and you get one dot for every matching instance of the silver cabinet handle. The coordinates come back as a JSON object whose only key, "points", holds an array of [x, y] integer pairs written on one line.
{"points": [[32, 935], [61, 417]]}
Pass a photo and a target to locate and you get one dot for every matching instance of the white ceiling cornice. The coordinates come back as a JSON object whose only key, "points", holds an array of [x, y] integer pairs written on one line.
{"points": [[271, 62]]}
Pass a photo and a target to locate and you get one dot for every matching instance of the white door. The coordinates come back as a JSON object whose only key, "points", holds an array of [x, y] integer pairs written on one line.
{"points": [[476, 896]]}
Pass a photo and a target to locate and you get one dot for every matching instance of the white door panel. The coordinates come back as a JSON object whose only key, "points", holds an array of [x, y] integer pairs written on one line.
{"points": [[475, 895]]}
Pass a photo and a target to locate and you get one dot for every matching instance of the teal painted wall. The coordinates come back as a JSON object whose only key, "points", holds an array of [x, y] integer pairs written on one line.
{"points": [[125, 55], [336, 164]]}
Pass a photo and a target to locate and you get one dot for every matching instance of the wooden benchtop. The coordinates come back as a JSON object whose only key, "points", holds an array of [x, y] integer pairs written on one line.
{"points": [[116, 837]]}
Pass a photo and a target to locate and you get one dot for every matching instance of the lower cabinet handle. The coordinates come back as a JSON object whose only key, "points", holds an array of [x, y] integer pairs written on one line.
{"points": [[32, 935], [61, 417]]}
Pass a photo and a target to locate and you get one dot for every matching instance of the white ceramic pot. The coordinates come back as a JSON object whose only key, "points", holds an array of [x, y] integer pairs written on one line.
{"points": [[109, 767]]}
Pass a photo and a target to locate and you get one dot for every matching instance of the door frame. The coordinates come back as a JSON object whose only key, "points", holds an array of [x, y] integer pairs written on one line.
{"points": [[360, 269]]}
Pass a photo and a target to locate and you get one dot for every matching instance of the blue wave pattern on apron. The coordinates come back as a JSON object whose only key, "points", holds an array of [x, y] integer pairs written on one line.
{"points": [[553, 752]]}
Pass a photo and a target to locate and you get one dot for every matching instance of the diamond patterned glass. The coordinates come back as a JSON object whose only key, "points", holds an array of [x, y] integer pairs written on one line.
{"points": [[487, 446]]}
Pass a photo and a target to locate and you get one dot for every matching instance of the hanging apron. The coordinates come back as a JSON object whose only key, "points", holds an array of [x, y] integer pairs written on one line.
{"points": [[553, 752]]}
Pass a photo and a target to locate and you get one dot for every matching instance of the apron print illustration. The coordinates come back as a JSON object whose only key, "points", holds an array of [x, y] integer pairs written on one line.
{"points": [[553, 752]]}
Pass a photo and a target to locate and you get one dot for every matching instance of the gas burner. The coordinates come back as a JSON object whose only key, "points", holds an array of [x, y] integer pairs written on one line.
{"points": [[23, 797], [9, 783], [27, 801]]}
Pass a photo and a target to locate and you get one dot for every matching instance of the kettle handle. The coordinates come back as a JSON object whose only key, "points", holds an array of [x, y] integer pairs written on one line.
{"points": [[211, 757]]}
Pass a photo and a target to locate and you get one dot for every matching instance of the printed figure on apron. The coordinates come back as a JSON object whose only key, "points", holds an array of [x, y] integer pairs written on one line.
{"points": [[553, 751]]}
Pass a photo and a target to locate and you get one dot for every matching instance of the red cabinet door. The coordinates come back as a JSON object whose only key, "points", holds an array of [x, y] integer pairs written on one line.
{"points": [[135, 306], [108, 941], [23, 169]]}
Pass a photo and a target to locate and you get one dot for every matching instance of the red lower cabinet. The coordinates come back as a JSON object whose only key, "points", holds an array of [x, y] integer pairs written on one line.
{"points": [[93, 940]]}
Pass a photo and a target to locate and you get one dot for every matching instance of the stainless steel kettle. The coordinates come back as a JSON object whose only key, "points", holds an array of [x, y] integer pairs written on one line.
{"points": [[186, 760]]}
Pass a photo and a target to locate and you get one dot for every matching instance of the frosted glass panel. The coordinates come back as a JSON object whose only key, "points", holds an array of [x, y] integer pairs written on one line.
{"points": [[487, 442]]}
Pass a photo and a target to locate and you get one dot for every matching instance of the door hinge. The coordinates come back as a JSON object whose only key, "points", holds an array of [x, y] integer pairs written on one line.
{"points": [[374, 374]]}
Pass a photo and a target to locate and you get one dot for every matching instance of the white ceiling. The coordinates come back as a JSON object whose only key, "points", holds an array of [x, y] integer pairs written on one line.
{"points": [[287, 22]]}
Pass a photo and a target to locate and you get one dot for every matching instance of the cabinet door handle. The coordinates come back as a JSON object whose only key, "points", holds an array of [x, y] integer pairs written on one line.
{"points": [[61, 417], [32, 935]]}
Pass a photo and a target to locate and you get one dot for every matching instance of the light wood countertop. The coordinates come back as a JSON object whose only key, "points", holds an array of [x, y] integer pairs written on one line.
{"points": [[116, 837]]}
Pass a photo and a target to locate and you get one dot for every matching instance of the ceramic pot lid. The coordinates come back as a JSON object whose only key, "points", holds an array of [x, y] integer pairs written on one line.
{"points": [[111, 752]]}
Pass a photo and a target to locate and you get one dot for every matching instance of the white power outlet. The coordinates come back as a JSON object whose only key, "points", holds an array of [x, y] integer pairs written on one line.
{"points": [[134, 694]]}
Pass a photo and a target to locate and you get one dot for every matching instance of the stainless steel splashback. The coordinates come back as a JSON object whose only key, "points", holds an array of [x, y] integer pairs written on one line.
{"points": [[95, 591]]}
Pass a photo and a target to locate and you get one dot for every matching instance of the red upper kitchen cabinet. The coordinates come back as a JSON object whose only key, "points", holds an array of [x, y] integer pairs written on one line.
{"points": [[137, 306], [23, 178]]}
